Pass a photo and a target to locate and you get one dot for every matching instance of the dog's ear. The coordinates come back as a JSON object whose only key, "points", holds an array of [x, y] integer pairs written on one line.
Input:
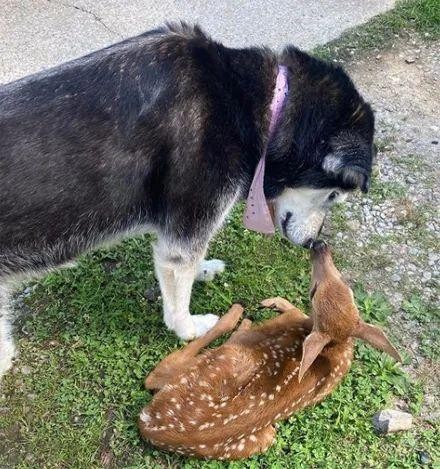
{"points": [[350, 160], [351, 173]]}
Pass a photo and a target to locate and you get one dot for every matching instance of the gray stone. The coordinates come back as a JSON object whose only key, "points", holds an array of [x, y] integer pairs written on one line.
{"points": [[427, 276], [353, 225], [26, 370], [390, 421], [424, 457]]}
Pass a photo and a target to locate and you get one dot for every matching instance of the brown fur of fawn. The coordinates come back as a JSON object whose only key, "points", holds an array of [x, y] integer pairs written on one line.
{"points": [[223, 403]]}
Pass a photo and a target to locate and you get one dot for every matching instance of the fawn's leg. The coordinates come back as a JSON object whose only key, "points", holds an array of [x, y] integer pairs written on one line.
{"points": [[245, 325], [255, 443], [177, 362], [282, 305], [291, 316]]}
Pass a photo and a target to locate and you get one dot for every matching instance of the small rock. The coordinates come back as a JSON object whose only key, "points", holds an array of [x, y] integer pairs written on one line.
{"points": [[424, 457], [152, 294], [27, 291], [353, 225], [26, 370], [411, 180], [433, 258], [396, 278], [434, 142], [427, 276], [390, 421], [415, 345], [410, 60]]}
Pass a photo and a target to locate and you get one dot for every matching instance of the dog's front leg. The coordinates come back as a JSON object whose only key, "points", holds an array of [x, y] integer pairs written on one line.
{"points": [[7, 349], [176, 270]]}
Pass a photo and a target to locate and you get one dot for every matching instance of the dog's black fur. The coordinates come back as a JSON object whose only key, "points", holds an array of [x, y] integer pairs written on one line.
{"points": [[154, 132]]}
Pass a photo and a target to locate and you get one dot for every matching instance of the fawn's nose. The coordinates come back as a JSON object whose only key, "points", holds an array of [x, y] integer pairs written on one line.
{"points": [[318, 246]]}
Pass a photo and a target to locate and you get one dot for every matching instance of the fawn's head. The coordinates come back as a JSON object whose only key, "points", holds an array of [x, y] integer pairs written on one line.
{"points": [[334, 313]]}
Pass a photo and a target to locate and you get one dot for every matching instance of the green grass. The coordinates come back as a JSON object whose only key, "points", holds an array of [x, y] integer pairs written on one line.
{"points": [[96, 336], [428, 317], [422, 16]]}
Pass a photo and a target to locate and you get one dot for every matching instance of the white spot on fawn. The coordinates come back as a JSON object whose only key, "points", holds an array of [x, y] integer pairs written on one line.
{"points": [[145, 417]]}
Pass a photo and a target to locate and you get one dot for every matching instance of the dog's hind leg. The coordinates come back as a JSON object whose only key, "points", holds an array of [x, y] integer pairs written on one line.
{"points": [[208, 269], [7, 349]]}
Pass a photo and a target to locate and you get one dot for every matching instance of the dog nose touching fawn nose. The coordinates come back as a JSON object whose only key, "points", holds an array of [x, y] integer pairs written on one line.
{"points": [[308, 243], [223, 403], [318, 245]]}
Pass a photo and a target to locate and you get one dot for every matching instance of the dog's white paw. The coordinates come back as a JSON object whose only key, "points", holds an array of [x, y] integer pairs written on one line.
{"points": [[191, 327], [208, 269], [204, 322]]}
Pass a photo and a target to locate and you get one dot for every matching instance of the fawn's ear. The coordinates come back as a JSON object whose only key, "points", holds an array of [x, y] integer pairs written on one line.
{"points": [[377, 338], [312, 347]]}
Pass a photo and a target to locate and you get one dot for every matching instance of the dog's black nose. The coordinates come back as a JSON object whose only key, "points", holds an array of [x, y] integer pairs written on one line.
{"points": [[318, 245], [308, 244]]}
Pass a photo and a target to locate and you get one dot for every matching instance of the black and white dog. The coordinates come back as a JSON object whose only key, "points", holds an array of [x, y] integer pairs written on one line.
{"points": [[162, 133]]}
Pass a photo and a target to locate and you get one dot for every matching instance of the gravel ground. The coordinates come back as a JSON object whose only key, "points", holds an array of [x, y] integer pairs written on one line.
{"points": [[391, 241]]}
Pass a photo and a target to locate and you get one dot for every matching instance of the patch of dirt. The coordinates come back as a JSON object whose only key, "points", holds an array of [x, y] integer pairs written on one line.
{"points": [[392, 240]]}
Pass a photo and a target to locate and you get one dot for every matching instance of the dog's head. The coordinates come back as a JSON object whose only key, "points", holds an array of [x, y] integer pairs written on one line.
{"points": [[322, 150]]}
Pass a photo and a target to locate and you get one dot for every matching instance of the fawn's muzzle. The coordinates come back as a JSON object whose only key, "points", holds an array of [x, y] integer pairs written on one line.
{"points": [[319, 247]]}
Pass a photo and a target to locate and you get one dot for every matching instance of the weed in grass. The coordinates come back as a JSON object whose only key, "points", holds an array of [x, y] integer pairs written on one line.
{"points": [[428, 316], [422, 16], [386, 190], [409, 214]]}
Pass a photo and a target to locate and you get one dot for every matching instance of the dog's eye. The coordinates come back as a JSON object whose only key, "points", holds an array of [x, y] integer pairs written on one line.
{"points": [[333, 195]]}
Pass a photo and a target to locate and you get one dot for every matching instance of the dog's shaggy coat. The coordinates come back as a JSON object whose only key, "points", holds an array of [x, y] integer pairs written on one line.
{"points": [[162, 133]]}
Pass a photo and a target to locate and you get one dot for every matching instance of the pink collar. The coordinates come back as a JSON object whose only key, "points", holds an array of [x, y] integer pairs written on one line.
{"points": [[257, 216]]}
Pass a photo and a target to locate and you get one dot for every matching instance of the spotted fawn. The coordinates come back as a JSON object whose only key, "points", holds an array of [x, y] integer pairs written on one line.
{"points": [[223, 403]]}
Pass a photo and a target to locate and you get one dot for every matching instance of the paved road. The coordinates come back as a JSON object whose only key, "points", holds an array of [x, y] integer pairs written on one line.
{"points": [[36, 34]]}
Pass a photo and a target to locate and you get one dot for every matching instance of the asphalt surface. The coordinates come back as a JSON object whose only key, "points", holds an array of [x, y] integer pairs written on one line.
{"points": [[37, 34]]}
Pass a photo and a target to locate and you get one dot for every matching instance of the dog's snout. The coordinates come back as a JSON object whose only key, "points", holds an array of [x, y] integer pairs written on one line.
{"points": [[308, 244]]}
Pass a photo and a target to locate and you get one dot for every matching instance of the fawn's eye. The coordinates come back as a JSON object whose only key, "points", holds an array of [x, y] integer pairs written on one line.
{"points": [[333, 196]]}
